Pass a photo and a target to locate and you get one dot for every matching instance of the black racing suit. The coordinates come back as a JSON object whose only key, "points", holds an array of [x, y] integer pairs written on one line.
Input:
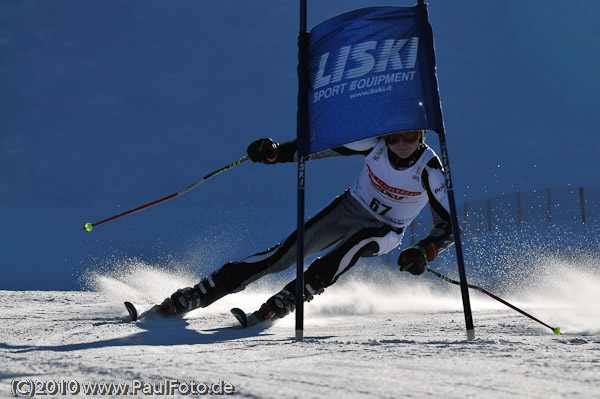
{"points": [[345, 227]]}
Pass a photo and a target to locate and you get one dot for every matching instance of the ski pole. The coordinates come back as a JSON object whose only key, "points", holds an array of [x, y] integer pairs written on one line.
{"points": [[90, 226], [555, 330]]}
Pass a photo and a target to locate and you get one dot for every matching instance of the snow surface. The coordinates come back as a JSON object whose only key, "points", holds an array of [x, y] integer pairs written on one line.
{"points": [[382, 334]]}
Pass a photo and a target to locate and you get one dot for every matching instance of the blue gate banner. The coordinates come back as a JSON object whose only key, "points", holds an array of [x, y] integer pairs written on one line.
{"points": [[371, 72]]}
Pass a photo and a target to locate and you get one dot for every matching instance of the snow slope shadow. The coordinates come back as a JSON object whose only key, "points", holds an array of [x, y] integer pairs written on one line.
{"points": [[169, 332]]}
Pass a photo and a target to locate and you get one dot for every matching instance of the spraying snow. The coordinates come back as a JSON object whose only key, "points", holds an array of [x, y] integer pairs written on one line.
{"points": [[556, 291]]}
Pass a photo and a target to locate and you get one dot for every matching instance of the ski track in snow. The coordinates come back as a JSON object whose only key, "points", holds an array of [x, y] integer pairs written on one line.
{"points": [[394, 344]]}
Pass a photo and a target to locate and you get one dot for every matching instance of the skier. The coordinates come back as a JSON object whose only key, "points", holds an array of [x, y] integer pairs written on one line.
{"points": [[401, 174]]}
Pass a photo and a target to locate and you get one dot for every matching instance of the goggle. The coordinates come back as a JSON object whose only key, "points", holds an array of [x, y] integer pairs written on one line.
{"points": [[408, 137]]}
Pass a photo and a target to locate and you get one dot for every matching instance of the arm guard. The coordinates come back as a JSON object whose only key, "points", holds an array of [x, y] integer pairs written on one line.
{"points": [[441, 236], [288, 152]]}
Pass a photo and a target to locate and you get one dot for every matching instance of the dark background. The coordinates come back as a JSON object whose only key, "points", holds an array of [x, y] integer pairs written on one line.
{"points": [[107, 105]]}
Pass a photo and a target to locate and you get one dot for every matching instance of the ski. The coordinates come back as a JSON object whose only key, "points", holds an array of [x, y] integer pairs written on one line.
{"points": [[246, 320], [135, 315]]}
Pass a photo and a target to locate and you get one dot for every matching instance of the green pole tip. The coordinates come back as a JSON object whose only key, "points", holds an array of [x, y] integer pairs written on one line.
{"points": [[556, 330], [89, 226]]}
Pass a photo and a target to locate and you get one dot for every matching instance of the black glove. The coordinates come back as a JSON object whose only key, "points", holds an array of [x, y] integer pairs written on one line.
{"points": [[263, 150], [413, 260]]}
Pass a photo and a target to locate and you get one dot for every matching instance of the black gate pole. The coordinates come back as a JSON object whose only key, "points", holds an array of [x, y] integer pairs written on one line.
{"points": [[464, 289], [302, 139]]}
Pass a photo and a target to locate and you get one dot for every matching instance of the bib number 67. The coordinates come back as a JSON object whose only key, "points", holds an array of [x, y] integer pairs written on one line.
{"points": [[376, 205]]}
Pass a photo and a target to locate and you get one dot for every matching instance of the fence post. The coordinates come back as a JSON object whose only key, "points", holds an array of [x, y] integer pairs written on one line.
{"points": [[582, 202], [549, 202], [519, 209], [465, 209], [489, 214]]}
